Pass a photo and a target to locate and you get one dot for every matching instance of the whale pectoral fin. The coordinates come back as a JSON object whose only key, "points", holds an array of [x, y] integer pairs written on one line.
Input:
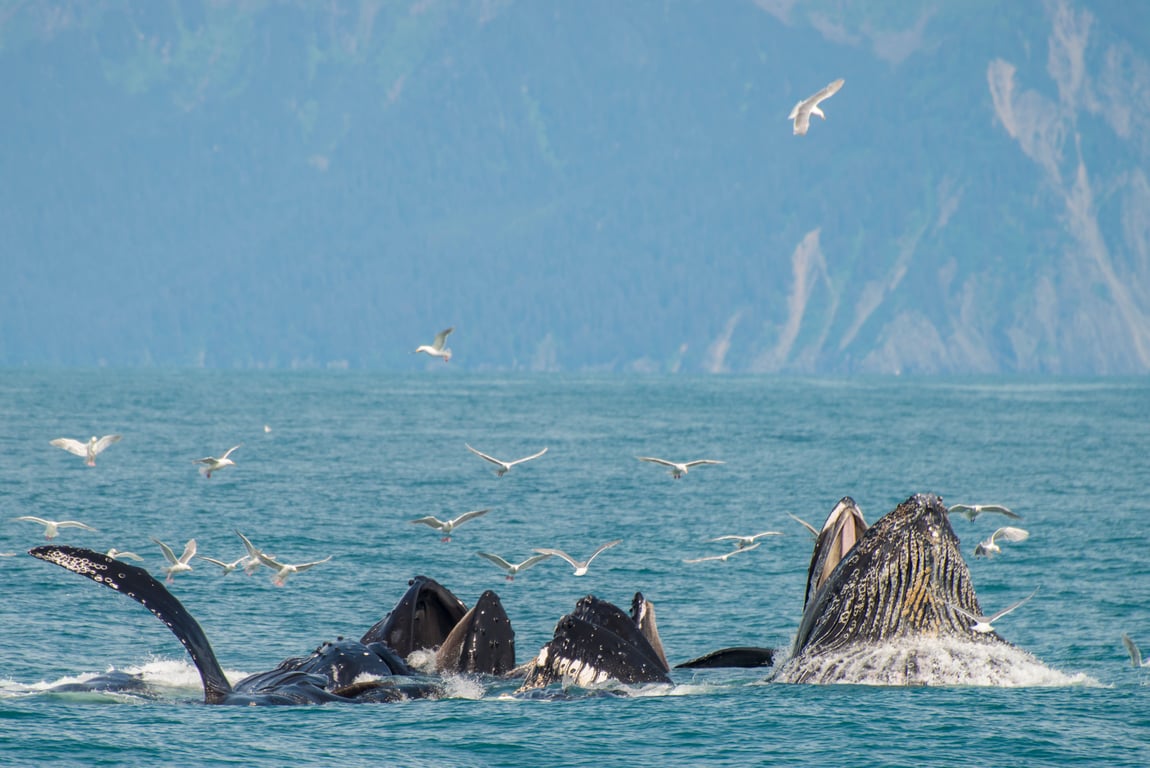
{"points": [[482, 642], [139, 585], [741, 657]]}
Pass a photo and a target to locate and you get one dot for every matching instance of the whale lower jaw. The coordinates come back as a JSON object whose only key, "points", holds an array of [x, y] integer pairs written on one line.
{"points": [[948, 661]]}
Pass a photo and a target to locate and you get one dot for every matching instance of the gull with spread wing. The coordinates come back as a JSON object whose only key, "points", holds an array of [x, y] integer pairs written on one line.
{"points": [[984, 624], [447, 526], [212, 464], [503, 467], [579, 566], [181, 564], [52, 527], [438, 348], [989, 546], [678, 469], [512, 569], [802, 112], [88, 450]]}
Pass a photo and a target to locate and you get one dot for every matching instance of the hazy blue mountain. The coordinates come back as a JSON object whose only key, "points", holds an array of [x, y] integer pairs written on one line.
{"points": [[577, 185]]}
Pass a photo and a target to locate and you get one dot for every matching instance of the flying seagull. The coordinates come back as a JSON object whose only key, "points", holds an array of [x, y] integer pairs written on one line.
{"points": [[1135, 653], [235, 565], [446, 527], [52, 527], [118, 555], [678, 469], [1006, 533], [504, 466], [88, 450], [283, 570], [742, 542], [727, 555], [802, 112], [512, 569], [438, 348], [983, 624], [179, 564], [252, 562], [580, 567], [971, 511], [212, 464]]}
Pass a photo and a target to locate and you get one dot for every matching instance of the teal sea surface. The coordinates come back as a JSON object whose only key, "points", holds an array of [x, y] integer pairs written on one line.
{"points": [[348, 459]]}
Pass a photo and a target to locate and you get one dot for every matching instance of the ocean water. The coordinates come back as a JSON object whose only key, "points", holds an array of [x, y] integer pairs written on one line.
{"points": [[351, 458]]}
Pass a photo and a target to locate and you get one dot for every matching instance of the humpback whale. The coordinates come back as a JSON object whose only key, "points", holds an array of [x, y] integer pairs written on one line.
{"points": [[892, 608], [367, 670], [598, 643]]}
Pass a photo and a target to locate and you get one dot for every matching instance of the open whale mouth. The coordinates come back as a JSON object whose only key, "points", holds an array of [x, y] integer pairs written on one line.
{"points": [[896, 587]]}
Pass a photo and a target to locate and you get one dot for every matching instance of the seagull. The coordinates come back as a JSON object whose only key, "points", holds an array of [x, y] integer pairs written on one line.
{"points": [[235, 565], [447, 527], [88, 450], [580, 567], [52, 527], [177, 564], [438, 347], [802, 112], [724, 557], [1135, 653], [504, 466], [252, 561], [742, 542], [982, 624], [512, 569], [678, 469], [116, 554], [971, 511], [212, 464], [814, 531], [989, 547], [283, 570]]}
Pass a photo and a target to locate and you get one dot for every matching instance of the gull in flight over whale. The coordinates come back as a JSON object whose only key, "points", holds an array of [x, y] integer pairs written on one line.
{"points": [[971, 511], [181, 564], [678, 469], [504, 466], [802, 112], [447, 526], [438, 348], [990, 547], [283, 570], [984, 624], [726, 555], [52, 527], [88, 450], [512, 569], [212, 464], [579, 566], [742, 542]]}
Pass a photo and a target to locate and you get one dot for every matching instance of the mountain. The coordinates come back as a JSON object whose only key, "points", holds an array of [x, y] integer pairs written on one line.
{"points": [[577, 186]]}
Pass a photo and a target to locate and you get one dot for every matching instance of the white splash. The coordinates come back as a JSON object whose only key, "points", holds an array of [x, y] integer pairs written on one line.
{"points": [[929, 661]]}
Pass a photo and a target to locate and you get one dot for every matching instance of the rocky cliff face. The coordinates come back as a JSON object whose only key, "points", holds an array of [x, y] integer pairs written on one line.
{"points": [[612, 187]]}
